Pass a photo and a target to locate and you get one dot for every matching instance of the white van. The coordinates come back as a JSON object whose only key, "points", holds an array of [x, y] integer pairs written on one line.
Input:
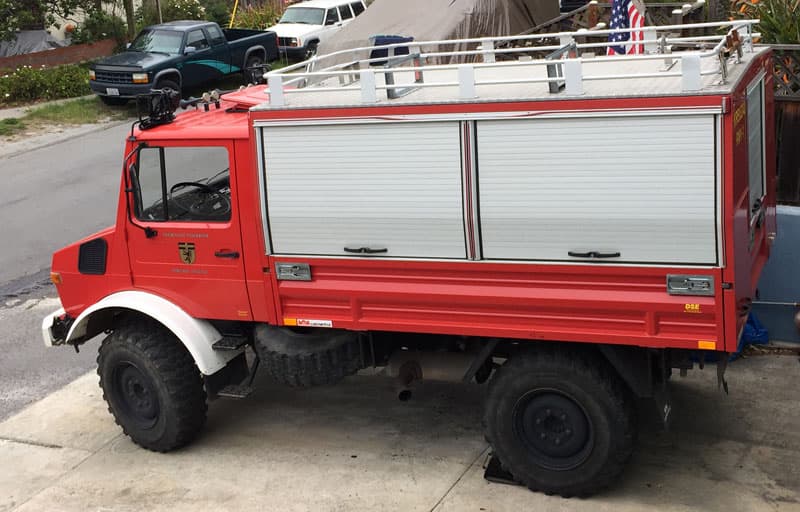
{"points": [[306, 24]]}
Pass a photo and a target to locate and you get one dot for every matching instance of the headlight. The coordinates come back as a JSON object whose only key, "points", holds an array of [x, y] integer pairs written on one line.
{"points": [[294, 41], [140, 78], [92, 75]]}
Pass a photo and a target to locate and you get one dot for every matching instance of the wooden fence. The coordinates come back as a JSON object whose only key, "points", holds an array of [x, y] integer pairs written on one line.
{"points": [[58, 56]]}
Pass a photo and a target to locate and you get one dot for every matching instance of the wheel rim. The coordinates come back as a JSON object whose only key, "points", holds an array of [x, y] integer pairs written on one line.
{"points": [[553, 428], [135, 395]]}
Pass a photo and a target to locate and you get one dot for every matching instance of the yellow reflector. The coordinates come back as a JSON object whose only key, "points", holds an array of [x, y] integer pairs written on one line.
{"points": [[289, 321], [55, 277], [707, 345]]}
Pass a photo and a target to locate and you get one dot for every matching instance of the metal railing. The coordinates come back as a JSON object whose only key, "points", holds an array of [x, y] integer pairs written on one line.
{"points": [[359, 71]]}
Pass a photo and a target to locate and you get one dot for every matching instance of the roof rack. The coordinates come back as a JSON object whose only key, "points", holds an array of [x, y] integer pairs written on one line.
{"points": [[371, 69]]}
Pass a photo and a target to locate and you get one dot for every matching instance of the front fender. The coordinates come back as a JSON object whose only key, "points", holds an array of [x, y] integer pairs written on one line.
{"points": [[197, 335]]}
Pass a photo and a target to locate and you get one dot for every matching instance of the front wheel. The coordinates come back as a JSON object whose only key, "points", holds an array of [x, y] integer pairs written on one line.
{"points": [[152, 386], [559, 421]]}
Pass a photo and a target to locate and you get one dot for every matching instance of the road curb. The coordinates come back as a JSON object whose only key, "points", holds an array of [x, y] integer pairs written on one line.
{"points": [[58, 140]]}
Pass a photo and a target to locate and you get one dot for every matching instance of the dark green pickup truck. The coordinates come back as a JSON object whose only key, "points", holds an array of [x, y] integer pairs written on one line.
{"points": [[180, 54]]}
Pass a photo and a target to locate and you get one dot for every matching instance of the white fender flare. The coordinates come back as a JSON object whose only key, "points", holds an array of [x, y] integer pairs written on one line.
{"points": [[197, 336]]}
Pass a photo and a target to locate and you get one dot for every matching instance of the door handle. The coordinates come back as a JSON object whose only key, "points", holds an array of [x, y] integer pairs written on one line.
{"points": [[365, 250], [227, 254], [594, 254]]}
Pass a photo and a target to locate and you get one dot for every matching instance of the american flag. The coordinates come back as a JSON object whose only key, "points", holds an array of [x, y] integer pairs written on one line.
{"points": [[624, 14]]}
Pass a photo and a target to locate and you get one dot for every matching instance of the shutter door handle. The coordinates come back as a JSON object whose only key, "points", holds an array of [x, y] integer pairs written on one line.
{"points": [[227, 254], [365, 250], [594, 254]]}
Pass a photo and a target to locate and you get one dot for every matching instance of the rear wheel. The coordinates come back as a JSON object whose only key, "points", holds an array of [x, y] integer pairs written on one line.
{"points": [[254, 69], [152, 386], [559, 421]]}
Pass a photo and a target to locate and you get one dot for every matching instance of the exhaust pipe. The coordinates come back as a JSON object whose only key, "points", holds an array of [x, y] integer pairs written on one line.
{"points": [[410, 366]]}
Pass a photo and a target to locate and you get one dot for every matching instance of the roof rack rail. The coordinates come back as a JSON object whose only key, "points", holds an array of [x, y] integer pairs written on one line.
{"points": [[563, 54]]}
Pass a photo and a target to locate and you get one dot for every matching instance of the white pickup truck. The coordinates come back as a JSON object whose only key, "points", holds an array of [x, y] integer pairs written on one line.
{"points": [[305, 25]]}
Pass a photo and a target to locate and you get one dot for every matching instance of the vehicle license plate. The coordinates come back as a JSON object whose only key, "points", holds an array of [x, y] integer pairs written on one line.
{"points": [[112, 91]]}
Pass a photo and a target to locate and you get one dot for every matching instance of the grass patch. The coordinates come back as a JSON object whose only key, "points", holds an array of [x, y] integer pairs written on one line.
{"points": [[81, 111], [11, 126]]}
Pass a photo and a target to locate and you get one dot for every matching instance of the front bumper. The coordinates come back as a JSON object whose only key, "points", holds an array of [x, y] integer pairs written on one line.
{"points": [[55, 328], [125, 90], [292, 52]]}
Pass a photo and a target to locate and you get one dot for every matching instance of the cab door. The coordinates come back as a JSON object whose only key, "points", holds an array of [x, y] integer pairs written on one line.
{"points": [[184, 232], [205, 62]]}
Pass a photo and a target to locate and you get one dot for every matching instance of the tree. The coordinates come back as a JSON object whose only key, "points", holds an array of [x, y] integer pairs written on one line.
{"points": [[32, 14]]}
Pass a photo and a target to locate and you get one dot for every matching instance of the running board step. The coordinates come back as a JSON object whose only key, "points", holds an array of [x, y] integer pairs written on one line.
{"points": [[230, 343], [237, 391]]}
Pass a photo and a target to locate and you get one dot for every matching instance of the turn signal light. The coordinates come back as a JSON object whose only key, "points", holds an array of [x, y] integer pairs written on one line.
{"points": [[140, 78], [55, 277]]}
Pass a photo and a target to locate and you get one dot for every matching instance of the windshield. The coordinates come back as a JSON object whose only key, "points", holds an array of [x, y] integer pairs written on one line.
{"points": [[307, 15], [157, 41]]}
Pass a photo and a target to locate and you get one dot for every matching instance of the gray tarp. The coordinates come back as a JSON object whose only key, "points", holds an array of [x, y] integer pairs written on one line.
{"points": [[29, 41], [429, 20]]}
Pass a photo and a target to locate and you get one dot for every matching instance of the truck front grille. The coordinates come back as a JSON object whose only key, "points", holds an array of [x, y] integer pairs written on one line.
{"points": [[284, 41], [114, 77]]}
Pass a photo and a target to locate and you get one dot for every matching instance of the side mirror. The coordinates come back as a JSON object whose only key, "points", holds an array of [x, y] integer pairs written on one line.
{"points": [[189, 50], [330, 21]]}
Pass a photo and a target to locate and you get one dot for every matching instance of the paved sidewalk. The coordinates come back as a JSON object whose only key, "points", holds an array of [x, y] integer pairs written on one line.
{"points": [[354, 447]]}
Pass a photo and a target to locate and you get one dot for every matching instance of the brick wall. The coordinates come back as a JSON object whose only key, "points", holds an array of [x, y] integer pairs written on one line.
{"points": [[58, 56]]}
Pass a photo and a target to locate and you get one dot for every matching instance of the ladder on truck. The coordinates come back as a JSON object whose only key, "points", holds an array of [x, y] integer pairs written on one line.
{"points": [[563, 63]]}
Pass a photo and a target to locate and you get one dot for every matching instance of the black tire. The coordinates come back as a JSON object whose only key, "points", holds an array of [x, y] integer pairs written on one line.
{"points": [[253, 72], [307, 357], [311, 50], [560, 421], [168, 84], [113, 101], [152, 386]]}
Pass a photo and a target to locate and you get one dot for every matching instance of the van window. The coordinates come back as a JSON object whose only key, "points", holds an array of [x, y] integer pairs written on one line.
{"points": [[358, 8], [344, 12]]}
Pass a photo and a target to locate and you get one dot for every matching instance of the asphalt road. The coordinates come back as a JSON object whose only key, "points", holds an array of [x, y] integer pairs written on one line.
{"points": [[51, 197]]}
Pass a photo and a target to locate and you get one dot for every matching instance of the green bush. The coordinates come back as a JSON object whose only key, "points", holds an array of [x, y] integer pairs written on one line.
{"points": [[218, 11], [98, 26], [780, 19], [171, 10], [27, 84], [256, 17]]}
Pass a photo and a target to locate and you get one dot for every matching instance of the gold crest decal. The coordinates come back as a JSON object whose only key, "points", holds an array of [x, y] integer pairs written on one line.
{"points": [[186, 252]]}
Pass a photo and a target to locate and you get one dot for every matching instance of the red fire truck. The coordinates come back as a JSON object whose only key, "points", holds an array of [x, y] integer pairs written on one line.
{"points": [[569, 229]]}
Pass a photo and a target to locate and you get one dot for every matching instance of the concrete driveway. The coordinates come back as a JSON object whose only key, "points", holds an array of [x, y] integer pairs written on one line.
{"points": [[355, 447]]}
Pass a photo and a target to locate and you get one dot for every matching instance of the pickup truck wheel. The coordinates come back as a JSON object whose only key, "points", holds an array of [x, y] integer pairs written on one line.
{"points": [[152, 386], [307, 357], [559, 421], [253, 70], [113, 101]]}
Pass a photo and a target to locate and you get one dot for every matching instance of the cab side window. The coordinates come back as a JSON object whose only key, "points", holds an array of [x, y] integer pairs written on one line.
{"points": [[332, 16], [215, 34], [182, 184], [197, 39]]}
